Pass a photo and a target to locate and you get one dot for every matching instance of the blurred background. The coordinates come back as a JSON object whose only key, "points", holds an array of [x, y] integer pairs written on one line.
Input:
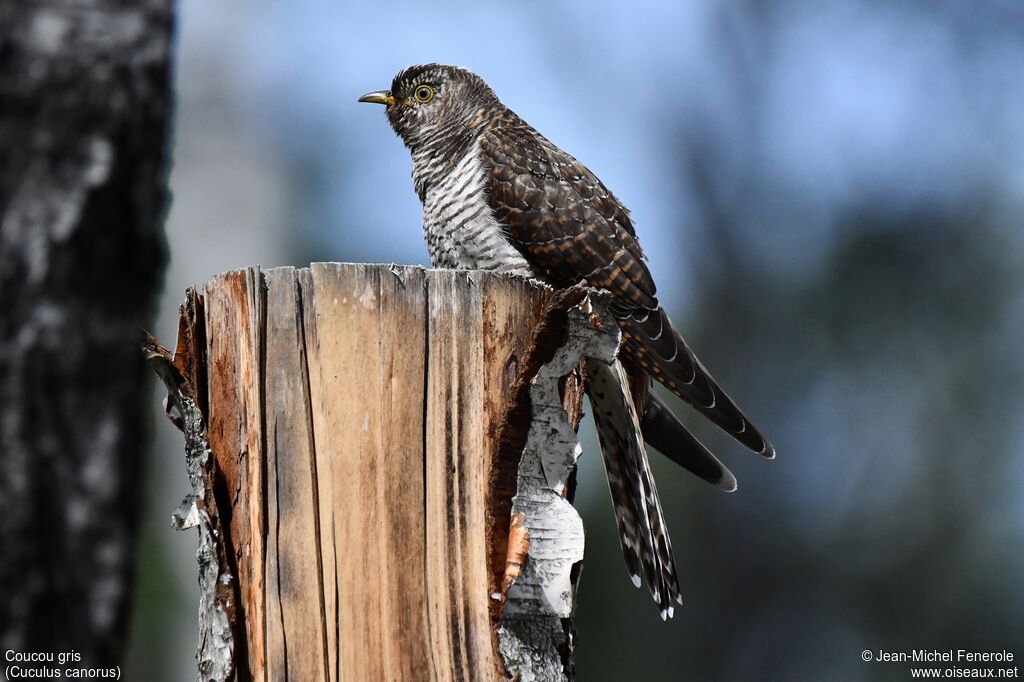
{"points": [[832, 198]]}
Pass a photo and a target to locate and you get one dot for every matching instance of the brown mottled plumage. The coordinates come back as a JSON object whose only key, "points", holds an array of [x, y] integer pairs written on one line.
{"points": [[497, 195]]}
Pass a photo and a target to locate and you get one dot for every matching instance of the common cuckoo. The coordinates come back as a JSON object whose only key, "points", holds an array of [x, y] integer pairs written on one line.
{"points": [[497, 195]]}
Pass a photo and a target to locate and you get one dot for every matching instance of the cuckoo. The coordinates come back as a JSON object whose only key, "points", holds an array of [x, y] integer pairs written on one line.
{"points": [[498, 196]]}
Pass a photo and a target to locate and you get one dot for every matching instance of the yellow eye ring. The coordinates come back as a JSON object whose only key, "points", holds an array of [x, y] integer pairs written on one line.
{"points": [[423, 93]]}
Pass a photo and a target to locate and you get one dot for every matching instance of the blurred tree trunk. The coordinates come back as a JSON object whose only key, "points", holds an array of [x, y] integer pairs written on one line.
{"points": [[84, 95]]}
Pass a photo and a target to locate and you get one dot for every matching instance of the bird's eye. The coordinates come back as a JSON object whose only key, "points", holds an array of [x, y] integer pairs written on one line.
{"points": [[423, 93]]}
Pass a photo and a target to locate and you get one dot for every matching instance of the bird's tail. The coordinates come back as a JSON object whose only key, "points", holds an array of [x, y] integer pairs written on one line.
{"points": [[642, 532], [652, 344], [663, 432]]}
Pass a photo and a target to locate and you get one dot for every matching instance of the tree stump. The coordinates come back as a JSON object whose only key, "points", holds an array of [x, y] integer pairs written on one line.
{"points": [[358, 437]]}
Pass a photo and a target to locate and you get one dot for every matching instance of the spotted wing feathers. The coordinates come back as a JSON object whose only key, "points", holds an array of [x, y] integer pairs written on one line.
{"points": [[570, 228], [566, 223]]}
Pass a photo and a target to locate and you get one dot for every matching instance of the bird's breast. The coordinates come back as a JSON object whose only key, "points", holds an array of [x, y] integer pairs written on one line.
{"points": [[458, 223]]}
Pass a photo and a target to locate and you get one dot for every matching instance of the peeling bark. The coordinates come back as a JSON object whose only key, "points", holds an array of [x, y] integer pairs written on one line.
{"points": [[215, 652], [535, 635]]}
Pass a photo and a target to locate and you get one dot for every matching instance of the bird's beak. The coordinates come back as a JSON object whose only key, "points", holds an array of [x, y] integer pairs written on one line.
{"points": [[381, 97]]}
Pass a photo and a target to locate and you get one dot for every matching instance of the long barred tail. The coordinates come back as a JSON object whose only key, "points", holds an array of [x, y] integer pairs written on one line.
{"points": [[651, 342], [642, 532], [666, 434]]}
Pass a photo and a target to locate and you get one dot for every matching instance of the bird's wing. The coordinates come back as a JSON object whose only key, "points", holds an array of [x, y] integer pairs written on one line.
{"points": [[570, 227], [562, 219]]}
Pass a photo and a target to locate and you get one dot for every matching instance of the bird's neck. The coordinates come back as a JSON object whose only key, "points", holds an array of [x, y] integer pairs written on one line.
{"points": [[438, 150]]}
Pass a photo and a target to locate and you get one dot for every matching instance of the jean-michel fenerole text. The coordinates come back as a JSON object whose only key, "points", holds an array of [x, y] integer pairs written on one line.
{"points": [[946, 656]]}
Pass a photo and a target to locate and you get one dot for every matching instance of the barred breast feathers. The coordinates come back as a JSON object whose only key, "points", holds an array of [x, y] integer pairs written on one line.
{"points": [[458, 221]]}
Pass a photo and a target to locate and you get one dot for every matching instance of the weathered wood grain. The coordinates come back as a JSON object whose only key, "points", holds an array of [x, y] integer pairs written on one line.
{"points": [[234, 309], [323, 471], [355, 417], [402, 372], [296, 625], [457, 571], [368, 327]]}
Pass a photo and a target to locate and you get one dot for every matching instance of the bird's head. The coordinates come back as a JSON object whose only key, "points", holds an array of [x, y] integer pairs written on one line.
{"points": [[433, 99]]}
